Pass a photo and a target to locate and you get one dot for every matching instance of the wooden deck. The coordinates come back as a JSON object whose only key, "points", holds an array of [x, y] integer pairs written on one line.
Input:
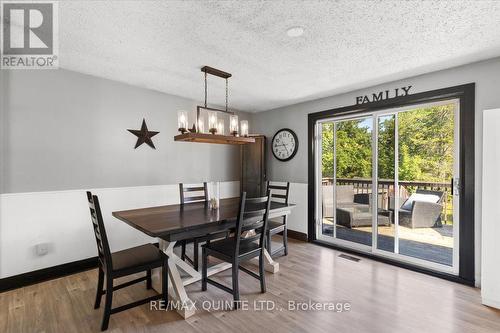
{"points": [[442, 236], [413, 246], [383, 298]]}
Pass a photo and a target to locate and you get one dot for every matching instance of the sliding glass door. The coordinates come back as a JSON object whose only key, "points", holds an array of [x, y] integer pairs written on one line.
{"points": [[386, 183], [346, 179], [386, 239]]}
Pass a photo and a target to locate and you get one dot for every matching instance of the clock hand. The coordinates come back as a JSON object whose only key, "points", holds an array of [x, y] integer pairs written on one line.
{"points": [[285, 148]]}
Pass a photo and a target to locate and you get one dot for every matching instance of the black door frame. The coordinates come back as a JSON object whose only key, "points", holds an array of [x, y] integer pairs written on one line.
{"points": [[466, 96]]}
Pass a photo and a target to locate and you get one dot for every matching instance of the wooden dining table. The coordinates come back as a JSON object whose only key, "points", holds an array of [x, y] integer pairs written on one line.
{"points": [[173, 223]]}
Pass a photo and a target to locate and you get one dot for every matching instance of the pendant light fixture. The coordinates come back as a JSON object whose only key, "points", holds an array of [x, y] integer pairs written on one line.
{"points": [[215, 124]]}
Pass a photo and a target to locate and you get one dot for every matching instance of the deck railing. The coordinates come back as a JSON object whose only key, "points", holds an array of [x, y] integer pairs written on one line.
{"points": [[386, 189]]}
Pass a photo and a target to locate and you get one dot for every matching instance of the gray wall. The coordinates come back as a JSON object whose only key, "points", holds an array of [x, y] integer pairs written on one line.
{"points": [[485, 74], [66, 130]]}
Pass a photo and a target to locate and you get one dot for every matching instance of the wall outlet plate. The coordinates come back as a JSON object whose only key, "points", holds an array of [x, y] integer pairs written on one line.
{"points": [[42, 249]]}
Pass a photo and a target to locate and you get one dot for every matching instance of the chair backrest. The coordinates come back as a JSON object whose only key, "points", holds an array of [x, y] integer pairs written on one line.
{"points": [[422, 195], [193, 193], [440, 194], [252, 215], [345, 193], [99, 231], [279, 191]]}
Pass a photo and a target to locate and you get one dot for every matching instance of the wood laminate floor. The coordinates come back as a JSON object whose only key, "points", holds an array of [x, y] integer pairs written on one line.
{"points": [[383, 298]]}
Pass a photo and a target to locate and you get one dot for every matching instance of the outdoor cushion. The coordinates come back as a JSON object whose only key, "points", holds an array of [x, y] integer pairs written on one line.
{"points": [[408, 205]]}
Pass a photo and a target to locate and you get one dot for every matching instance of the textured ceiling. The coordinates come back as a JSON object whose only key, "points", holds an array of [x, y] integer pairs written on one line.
{"points": [[347, 45]]}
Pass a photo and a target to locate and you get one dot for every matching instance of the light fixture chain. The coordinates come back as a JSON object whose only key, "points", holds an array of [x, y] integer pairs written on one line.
{"points": [[205, 89], [227, 93]]}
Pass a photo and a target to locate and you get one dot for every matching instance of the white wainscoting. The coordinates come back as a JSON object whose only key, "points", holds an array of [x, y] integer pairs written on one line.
{"points": [[61, 219], [490, 275], [297, 220]]}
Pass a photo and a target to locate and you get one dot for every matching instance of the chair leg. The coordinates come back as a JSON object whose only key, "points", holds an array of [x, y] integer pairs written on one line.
{"points": [[149, 282], [164, 281], [109, 301], [196, 248], [268, 243], [100, 284], [183, 250], [204, 268], [262, 276], [285, 239], [236, 290]]}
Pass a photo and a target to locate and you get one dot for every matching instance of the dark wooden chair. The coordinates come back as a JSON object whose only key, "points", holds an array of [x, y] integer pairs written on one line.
{"points": [[252, 215], [191, 194], [138, 259], [279, 193]]}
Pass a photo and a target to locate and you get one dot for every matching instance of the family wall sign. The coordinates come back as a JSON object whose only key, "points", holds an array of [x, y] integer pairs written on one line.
{"points": [[383, 95]]}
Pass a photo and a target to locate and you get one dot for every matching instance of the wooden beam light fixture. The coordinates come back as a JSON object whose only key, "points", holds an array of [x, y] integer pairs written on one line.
{"points": [[215, 126]]}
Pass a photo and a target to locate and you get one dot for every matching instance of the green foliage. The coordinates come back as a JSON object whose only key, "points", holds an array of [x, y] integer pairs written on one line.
{"points": [[352, 156], [327, 150], [426, 143], [425, 146], [386, 144]]}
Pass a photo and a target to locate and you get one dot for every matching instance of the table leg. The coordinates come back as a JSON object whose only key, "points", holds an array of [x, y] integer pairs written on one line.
{"points": [[270, 265], [177, 293]]}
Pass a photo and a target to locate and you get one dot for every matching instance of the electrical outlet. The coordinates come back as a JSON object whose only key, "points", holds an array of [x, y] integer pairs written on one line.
{"points": [[41, 249]]}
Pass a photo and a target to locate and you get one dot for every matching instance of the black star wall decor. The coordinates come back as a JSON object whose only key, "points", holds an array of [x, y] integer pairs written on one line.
{"points": [[143, 135]]}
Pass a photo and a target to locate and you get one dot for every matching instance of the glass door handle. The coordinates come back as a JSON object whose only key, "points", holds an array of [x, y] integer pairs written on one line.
{"points": [[455, 186]]}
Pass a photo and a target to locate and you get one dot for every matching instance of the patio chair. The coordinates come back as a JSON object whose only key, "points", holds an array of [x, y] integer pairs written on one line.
{"points": [[421, 210], [345, 198], [353, 209]]}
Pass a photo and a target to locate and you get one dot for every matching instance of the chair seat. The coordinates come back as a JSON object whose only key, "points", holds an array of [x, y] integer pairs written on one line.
{"points": [[226, 247], [136, 256], [275, 225]]}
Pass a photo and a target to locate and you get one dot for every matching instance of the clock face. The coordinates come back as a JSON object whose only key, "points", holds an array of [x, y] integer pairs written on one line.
{"points": [[285, 144]]}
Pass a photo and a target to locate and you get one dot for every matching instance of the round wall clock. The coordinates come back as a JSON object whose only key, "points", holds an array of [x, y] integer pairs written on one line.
{"points": [[285, 144]]}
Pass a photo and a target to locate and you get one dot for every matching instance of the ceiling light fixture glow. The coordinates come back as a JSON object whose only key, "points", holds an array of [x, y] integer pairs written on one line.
{"points": [[295, 31]]}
